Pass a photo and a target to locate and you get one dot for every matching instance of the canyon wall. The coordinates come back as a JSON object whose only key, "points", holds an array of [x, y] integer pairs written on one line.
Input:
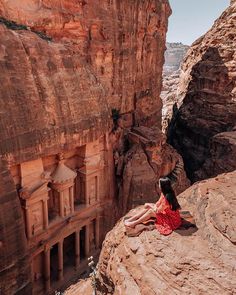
{"points": [[76, 78], [190, 261], [122, 41], [207, 101], [174, 55]]}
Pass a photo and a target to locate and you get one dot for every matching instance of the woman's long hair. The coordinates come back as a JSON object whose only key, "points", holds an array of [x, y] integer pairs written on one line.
{"points": [[168, 192]]}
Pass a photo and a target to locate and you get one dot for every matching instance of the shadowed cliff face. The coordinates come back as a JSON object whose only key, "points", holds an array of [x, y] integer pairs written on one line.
{"points": [[206, 95], [206, 110], [14, 266]]}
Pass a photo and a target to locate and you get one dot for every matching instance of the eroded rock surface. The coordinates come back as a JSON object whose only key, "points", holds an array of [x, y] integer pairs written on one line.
{"points": [[169, 96], [222, 155], [14, 266], [122, 41], [148, 158], [185, 262], [207, 94], [65, 65], [174, 55]]}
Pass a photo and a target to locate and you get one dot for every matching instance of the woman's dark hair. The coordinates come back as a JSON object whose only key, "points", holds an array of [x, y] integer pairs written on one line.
{"points": [[169, 193]]}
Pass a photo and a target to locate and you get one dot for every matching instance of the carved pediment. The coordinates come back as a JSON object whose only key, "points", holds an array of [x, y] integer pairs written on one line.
{"points": [[41, 190], [24, 193]]}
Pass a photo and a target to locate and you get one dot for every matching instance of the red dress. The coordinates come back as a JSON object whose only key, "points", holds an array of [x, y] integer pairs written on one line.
{"points": [[167, 220]]}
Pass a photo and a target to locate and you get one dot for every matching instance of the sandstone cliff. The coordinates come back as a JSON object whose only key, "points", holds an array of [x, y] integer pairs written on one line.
{"points": [[69, 71], [174, 55], [187, 261], [169, 96], [122, 41], [207, 96]]}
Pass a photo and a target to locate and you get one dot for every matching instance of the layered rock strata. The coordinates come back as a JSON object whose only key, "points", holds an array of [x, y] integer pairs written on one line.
{"points": [[193, 261], [206, 95]]}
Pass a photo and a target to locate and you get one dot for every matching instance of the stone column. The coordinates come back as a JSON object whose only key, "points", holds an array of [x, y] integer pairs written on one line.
{"points": [[47, 269], [86, 190], [97, 233], [45, 213], [61, 203], [28, 227], [60, 260], [71, 194], [77, 248], [87, 236]]}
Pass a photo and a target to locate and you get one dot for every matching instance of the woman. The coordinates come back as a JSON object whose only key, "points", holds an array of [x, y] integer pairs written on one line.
{"points": [[165, 211]]}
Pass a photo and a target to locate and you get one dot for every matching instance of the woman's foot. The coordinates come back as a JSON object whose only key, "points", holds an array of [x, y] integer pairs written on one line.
{"points": [[129, 223]]}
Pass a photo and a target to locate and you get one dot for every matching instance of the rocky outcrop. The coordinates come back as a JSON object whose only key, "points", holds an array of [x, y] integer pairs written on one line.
{"points": [[148, 158], [189, 261], [174, 56], [206, 94]]}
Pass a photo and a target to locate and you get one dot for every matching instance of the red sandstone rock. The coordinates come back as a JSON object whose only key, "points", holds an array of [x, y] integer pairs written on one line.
{"points": [[14, 258], [57, 97], [206, 93], [185, 262], [148, 158], [122, 41]]}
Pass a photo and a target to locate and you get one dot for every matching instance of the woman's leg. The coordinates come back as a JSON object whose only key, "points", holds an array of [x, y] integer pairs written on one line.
{"points": [[138, 215], [150, 213]]}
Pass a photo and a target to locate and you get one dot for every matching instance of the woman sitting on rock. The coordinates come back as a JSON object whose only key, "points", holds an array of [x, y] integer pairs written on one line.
{"points": [[165, 211]]}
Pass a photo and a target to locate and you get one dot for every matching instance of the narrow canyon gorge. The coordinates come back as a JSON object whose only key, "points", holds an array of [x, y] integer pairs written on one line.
{"points": [[87, 129]]}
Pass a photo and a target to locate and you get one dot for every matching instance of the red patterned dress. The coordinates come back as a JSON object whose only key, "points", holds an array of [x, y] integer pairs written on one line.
{"points": [[167, 220]]}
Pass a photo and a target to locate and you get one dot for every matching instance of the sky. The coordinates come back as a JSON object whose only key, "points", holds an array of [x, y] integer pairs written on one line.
{"points": [[191, 19]]}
